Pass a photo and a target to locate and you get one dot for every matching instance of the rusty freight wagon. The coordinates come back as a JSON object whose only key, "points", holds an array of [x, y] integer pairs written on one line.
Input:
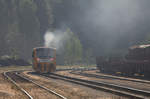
{"points": [[135, 62], [44, 59]]}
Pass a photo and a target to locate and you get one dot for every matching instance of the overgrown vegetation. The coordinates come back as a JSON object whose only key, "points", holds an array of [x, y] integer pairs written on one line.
{"points": [[73, 49], [22, 25]]}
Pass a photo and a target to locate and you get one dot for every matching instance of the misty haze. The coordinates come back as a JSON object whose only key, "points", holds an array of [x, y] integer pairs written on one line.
{"points": [[75, 49]]}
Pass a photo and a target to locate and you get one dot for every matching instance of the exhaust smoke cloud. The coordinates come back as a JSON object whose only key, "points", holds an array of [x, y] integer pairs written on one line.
{"points": [[55, 39], [49, 38]]}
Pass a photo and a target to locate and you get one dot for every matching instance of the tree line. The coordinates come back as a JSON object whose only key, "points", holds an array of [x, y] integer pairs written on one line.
{"points": [[23, 24]]}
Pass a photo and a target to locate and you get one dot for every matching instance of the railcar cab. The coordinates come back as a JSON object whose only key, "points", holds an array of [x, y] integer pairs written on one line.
{"points": [[44, 59]]}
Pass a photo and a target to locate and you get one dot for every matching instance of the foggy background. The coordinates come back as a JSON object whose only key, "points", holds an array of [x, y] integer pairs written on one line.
{"points": [[105, 27]]}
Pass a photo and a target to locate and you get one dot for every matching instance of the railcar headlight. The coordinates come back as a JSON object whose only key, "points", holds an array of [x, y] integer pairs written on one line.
{"points": [[51, 59], [38, 59]]}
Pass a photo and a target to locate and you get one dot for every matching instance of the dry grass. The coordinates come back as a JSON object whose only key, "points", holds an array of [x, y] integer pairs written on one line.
{"points": [[14, 68], [74, 66], [138, 85], [8, 90], [37, 92], [73, 91]]}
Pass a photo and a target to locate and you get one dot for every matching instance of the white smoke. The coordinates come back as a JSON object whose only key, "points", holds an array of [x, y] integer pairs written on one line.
{"points": [[49, 39], [54, 39]]}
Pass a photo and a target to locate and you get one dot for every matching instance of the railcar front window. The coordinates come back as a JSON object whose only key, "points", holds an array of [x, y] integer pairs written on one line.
{"points": [[45, 53]]}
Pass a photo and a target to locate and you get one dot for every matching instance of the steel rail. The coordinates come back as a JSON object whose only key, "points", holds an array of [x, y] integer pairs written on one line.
{"points": [[21, 89], [77, 69], [73, 71], [113, 88], [24, 91], [107, 76], [51, 91]]}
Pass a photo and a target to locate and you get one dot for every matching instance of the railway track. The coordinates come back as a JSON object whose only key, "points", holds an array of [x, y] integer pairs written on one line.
{"points": [[19, 81], [77, 69], [81, 72], [112, 88]]}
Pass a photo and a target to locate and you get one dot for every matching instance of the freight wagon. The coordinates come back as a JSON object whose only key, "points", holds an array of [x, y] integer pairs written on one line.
{"points": [[136, 62]]}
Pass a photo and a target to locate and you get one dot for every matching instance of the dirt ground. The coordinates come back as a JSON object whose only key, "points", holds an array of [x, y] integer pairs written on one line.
{"points": [[8, 90], [72, 91], [69, 90], [138, 85]]}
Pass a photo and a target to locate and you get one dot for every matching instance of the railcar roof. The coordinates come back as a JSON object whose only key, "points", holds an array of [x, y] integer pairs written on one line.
{"points": [[44, 47], [140, 46]]}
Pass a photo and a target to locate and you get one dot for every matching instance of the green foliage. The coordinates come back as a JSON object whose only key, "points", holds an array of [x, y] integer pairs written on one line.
{"points": [[20, 26], [88, 56], [73, 49], [14, 54], [28, 23]]}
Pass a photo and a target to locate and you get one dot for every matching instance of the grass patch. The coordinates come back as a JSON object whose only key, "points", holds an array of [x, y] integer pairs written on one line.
{"points": [[13, 68], [74, 66]]}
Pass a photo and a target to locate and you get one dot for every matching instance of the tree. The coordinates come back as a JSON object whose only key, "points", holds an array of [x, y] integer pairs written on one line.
{"points": [[73, 49], [23, 24], [88, 56]]}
